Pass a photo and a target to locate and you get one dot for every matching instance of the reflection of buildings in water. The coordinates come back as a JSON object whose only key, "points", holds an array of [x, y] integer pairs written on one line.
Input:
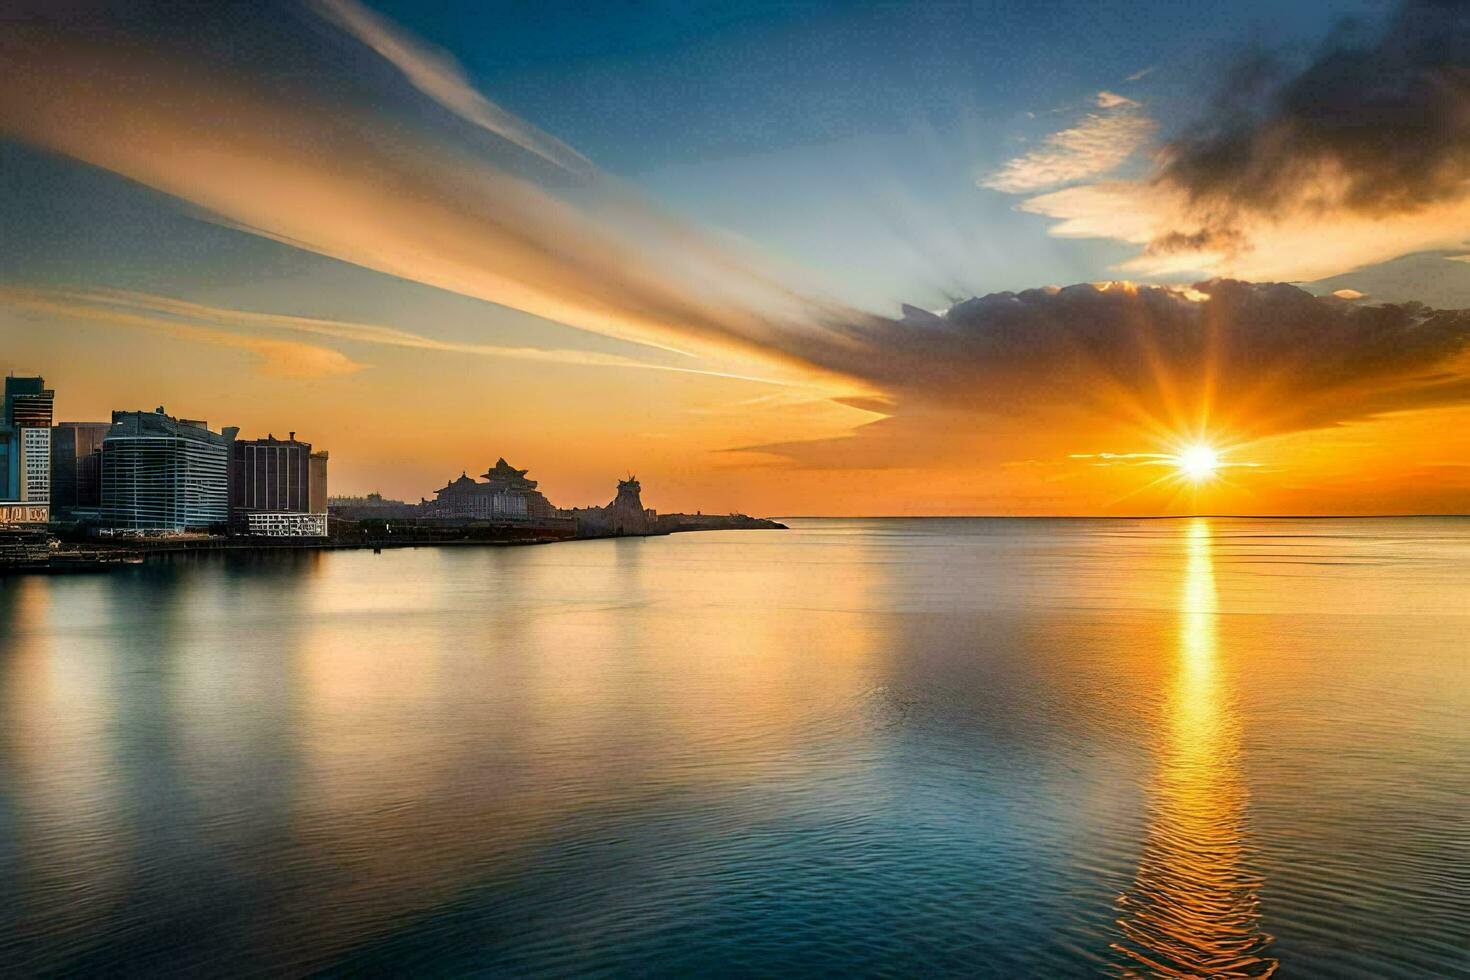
{"points": [[67, 842], [1192, 910], [494, 726]]}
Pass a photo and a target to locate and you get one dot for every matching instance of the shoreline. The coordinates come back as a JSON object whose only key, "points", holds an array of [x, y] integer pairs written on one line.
{"points": [[90, 556]]}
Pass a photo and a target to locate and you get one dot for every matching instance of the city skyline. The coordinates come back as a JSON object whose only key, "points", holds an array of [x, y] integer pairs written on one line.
{"points": [[903, 284]]}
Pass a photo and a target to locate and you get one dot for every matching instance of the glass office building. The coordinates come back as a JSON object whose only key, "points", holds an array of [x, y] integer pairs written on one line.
{"points": [[165, 474]]}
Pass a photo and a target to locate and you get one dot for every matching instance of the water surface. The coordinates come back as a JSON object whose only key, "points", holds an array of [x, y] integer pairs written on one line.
{"points": [[919, 747]]}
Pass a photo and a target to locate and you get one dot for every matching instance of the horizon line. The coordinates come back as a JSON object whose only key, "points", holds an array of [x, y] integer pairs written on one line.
{"points": [[1111, 517]]}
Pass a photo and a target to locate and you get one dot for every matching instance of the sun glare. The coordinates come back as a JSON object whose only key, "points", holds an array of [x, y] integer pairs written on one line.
{"points": [[1198, 463]]}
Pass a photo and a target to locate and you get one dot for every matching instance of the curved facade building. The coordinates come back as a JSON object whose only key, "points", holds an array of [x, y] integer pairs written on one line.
{"points": [[160, 473]]}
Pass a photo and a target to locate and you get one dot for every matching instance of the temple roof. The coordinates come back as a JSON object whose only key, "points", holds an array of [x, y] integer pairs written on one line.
{"points": [[504, 470], [462, 480]]}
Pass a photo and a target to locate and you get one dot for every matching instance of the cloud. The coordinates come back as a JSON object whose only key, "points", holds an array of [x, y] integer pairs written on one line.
{"points": [[1298, 171], [289, 164], [1242, 360], [1378, 127], [1112, 100], [1098, 144], [277, 357], [1160, 220], [241, 328], [1141, 74], [437, 75]]}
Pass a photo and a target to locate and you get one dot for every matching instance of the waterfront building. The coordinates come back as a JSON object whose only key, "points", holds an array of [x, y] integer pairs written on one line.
{"points": [[272, 492], [25, 549], [624, 515], [505, 494], [25, 451], [317, 482], [165, 474], [76, 468], [372, 507]]}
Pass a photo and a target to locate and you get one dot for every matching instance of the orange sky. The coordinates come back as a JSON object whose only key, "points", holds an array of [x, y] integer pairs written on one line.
{"points": [[595, 335]]}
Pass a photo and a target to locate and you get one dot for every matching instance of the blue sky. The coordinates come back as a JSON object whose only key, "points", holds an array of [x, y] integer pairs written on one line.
{"points": [[843, 140], [732, 246]]}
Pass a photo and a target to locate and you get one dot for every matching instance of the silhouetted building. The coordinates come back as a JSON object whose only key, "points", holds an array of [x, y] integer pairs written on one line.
{"points": [[624, 515], [271, 488], [160, 473], [373, 506], [504, 495], [76, 468], [25, 451]]}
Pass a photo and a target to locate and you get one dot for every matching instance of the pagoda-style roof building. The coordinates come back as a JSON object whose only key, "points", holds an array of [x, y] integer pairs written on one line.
{"points": [[505, 476], [504, 494]]}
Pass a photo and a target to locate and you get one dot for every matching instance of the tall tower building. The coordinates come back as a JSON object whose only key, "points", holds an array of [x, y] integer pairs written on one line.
{"points": [[25, 450]]}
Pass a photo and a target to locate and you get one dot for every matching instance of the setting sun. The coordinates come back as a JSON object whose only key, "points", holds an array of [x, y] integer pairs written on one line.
{"points": [[1198, 463]]}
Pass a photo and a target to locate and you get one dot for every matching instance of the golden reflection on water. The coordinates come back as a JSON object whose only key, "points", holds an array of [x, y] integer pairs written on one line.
{"points": [[54, 741], [1192, 910], [583, 688]]}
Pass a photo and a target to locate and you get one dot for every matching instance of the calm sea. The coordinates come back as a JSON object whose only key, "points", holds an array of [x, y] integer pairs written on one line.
{"points": [[917, 747]]}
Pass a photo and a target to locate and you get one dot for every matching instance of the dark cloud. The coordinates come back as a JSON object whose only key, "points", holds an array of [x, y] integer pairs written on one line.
{"points": [[1374, 126], [1252, 358], [1228, 241]]}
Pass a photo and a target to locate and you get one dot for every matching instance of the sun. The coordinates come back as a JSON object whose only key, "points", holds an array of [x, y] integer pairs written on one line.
{"points": [[1197, 463]]}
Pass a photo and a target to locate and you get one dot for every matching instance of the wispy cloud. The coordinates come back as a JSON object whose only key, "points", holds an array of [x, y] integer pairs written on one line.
{"points": [[277, 357], [1112, 100], [1098, 144], [241, 329], [437, 75]]}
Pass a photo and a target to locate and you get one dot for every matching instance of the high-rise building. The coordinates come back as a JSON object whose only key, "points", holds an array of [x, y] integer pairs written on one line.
{"points": [[160, 473], [76, 467], [273, 483], [25, 451], [35, 464], [28, 403]]}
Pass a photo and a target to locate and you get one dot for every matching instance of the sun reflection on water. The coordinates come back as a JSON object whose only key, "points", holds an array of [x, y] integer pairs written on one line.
{"points": [[1192, 910]]}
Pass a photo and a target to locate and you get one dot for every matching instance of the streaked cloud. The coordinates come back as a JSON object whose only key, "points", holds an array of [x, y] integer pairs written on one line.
{"points": [[242, 329], [342, 183], [276, 357], [437, 75]]}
